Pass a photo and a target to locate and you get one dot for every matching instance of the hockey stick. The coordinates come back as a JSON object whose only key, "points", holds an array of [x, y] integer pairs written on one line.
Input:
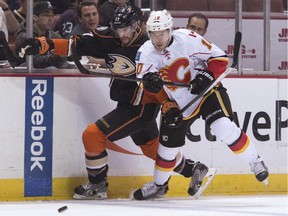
{"points": [[237, 42], [84, 70]]}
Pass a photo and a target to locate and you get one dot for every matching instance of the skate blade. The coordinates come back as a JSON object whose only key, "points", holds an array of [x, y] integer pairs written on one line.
{"points": [[98, 196], [265, 182], [206, 181], [156, 198]]}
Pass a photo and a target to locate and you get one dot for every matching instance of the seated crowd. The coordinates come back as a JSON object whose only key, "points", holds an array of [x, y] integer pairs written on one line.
{"points": [[61, 19], [51, 19]]}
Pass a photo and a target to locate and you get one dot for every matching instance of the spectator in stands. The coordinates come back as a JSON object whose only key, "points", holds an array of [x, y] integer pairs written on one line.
{"points": [[20, 13], [88, 17], [106, 11], [10, 20], [8, 26], [59, 5], [3, 25], [12, 4], [42, 24], [6, 53], [142, 21], [67, 20], [198, 23], [4, 32]]}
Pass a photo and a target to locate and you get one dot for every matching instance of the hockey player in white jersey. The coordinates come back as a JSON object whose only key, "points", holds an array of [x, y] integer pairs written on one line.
{"points": [[183, 56]]}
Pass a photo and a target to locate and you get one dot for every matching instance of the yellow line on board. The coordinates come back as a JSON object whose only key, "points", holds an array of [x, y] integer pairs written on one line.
{"points": [[121, 186]]}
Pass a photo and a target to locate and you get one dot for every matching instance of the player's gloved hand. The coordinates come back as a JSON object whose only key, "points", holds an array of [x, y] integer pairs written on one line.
{"points": [[203, 79], [33, 46], [152, 82], [170, 114]]}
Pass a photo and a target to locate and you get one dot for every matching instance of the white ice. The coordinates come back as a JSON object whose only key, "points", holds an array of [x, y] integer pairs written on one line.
{"points": [[272, 205]]}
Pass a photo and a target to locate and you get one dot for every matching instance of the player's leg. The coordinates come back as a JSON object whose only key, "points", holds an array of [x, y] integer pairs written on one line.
{"points": [[119, 123], [170, 141], [219, 118], [96, 165], [148, 141]]}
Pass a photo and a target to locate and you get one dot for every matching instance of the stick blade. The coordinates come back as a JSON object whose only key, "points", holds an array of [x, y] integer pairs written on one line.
{"points": [[236, 50]]}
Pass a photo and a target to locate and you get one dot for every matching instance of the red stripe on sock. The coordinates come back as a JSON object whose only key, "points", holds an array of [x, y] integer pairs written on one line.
{"points": [[165, 164], [240, 144]]}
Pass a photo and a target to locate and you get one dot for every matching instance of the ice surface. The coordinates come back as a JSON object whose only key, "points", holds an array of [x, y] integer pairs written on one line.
{"points": [[272, 205]]}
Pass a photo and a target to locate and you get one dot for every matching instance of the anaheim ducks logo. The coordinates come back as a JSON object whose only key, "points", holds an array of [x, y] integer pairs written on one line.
{"points": [[121, 65], [178, 72]]}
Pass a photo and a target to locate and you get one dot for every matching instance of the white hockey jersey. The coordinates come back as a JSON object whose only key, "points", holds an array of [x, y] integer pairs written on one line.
{"points": [[177, 63]]}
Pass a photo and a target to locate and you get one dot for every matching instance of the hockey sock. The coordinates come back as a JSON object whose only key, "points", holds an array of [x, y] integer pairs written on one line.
{"points": [[236, 139], [244, 148], [97, 167], [164, 164], [98, 175]]}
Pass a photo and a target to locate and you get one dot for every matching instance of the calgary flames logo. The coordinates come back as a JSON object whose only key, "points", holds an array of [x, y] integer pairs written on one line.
{"points": [[178, 72], [121, 65]]}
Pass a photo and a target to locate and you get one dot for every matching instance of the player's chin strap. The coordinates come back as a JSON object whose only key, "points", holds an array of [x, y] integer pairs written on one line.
{"points": [[107, 74], [237, 42]]}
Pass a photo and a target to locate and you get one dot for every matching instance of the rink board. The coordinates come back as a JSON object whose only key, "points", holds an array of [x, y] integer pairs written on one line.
{"points": [[43, 118]]}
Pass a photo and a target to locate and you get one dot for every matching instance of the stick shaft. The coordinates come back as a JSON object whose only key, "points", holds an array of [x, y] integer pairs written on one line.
{"points": [[109, 75]]}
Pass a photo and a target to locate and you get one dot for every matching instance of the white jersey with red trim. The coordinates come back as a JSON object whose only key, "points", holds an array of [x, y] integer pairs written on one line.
{"points": [[177, 63]]}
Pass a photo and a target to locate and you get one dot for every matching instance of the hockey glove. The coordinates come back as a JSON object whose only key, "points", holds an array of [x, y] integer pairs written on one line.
{"points": [[33, 46], [203, 79], [152, 82], [170, 114]]}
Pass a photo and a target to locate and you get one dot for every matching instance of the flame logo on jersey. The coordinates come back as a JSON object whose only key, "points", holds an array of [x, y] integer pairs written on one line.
{"points": [[121, 65], [178, 71]]}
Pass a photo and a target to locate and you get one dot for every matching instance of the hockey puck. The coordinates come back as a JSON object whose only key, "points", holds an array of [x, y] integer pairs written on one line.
{"points": [[62, 209]]}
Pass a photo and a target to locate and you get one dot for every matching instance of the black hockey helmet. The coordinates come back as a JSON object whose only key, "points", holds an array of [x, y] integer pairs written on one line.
{"points": [[124, 16]]}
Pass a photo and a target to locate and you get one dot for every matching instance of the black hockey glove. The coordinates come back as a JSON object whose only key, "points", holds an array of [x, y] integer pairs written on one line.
{"points": [[33, 46], [170, 114], [203, 79], [152, 82]]}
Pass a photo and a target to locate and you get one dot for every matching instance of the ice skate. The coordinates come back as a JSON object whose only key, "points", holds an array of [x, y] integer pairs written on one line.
{"points": [[260, 170], [150, 191], [199, 171], [91, 191]]}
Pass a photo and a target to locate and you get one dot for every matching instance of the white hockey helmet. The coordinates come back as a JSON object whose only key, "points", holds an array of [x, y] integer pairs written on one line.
{"points": [[159, 20]]}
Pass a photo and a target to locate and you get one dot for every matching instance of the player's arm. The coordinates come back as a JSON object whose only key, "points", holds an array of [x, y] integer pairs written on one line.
{"points": [[152, 87], [216, 61], [85, 45]]}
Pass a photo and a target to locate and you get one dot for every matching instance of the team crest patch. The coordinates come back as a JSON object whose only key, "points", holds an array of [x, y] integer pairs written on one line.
{"points": [[137, 58], [121, 65]]}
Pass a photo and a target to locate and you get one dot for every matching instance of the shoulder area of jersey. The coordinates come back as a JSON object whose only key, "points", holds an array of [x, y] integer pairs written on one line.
{"points": [[182, 30], [185, 33]]}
